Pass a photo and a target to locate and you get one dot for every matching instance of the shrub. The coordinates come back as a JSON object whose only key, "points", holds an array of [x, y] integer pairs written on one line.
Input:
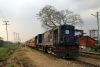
{"points": [[95, 49]]}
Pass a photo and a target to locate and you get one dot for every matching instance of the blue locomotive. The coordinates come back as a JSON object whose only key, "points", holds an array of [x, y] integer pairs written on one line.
{"points": [[59, 41]]}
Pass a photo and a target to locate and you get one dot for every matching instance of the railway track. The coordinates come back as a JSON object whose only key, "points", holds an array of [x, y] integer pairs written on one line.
{"points": [[78, 60], [91, 55], [92, 62]]}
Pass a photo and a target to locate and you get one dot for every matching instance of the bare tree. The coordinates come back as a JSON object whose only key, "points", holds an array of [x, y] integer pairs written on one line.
{"points": [[51, 18]]}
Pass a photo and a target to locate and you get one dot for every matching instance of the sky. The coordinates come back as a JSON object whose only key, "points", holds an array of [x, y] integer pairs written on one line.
{"points": [[21, 15]]}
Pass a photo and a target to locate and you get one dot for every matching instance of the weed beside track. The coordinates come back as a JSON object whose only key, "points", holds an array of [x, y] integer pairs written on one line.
{"points": [[6, 54]]}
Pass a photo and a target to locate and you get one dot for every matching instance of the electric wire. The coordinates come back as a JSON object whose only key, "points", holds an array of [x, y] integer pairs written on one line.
{"points": [[4, 17]]}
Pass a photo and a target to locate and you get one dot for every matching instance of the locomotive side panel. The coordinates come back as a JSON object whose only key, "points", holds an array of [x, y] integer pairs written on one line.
{"points": [[47, 38]]}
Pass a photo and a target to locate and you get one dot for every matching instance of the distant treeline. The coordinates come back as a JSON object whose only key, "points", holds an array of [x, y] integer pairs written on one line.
{"points": [[3, 43]]}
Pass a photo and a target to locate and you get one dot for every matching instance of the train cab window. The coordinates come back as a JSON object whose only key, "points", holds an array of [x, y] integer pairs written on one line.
{"points": [[64, 27]]}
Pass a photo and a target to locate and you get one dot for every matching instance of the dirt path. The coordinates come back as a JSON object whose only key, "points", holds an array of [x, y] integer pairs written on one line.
{"points": [[33, 58], [40, 59]]}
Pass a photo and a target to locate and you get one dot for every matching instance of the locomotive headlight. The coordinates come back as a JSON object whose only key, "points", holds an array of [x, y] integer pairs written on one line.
{"points": [[67, 31]]}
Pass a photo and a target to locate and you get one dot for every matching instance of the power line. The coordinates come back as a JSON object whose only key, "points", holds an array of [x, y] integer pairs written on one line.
{"points": [[16, 38], [97, 25], [2, 14], [11, 28], [4, 17], [6, 29]]}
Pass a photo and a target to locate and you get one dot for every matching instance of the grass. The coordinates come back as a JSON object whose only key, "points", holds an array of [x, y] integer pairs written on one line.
{"points": [[7, 52], [11, 65], [18, 59], [23, 61], [2, 49], [5, 47], [10, 45]]}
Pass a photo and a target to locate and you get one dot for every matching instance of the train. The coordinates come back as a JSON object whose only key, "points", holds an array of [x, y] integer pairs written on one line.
{"points": [[59, 41]]}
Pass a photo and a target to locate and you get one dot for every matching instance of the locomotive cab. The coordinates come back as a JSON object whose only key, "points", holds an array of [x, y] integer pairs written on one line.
{"points": [[66, 35], [64, 42]]}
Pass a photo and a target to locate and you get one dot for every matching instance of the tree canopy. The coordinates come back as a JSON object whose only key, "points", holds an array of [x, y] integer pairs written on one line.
{"points": [[51, 17]]}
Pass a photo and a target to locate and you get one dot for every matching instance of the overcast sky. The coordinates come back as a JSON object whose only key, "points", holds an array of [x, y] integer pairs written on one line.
{"points": [[21, 15]]}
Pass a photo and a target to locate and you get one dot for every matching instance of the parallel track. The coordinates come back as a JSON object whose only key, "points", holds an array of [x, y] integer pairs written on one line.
{"points": [[92, 55]]}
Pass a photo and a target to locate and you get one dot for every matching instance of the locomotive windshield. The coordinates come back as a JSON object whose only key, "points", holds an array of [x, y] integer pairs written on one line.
{"points": [[67, 27]]}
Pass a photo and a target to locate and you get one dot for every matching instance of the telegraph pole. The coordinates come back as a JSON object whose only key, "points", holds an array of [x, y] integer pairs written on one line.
{"points": [[6, 29], [97, 25]]}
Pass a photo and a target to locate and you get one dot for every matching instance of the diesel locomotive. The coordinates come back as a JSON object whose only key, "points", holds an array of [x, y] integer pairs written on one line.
{"points": [[59, 41]]}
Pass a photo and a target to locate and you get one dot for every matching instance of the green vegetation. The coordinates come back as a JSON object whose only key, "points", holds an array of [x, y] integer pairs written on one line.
{"points": [[6, 52], [6, 46], [1, 41], [2, 49], [11, 65], [96, 49], [21, 60], [7, 43]]}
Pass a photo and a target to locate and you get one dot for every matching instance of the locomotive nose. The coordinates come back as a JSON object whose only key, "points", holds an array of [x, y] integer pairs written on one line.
{"points": [[64, 39], [68, 54]]}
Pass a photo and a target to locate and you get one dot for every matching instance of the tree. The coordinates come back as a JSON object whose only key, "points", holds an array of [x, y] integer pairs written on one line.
{"points": [[1, 41], [51, 18], [1, 38]]}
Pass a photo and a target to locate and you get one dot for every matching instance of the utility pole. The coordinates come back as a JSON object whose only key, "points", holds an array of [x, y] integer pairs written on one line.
{"points": [[18, 37], [6, 29], [97, 25], [14, 36]]}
